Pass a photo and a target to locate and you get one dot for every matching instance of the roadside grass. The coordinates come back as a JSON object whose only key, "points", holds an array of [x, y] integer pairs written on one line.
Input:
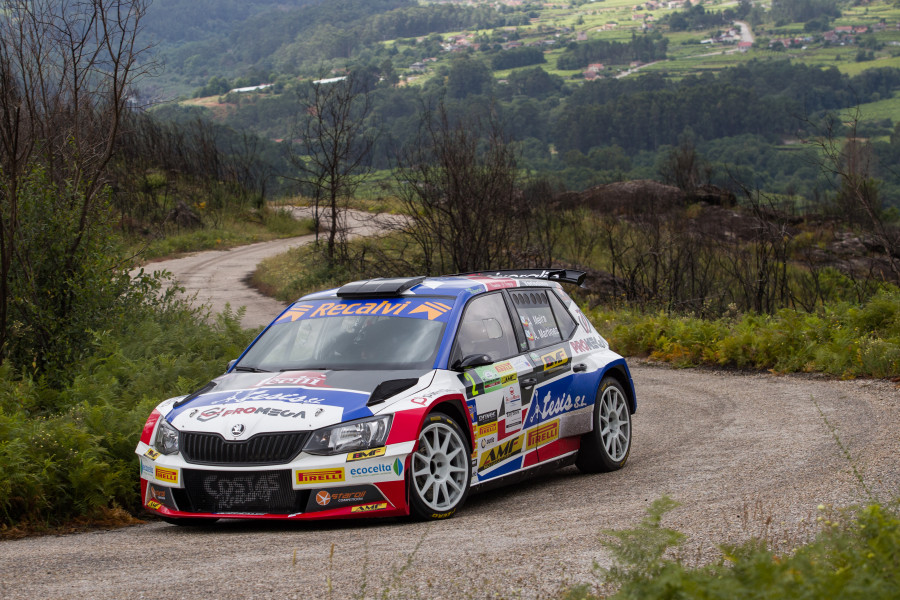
{"points": [[227, 231], [855, 555], [843, 339]]}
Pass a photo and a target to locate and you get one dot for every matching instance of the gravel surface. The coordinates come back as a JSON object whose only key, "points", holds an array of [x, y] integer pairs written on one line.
{"points": [[219, 277], [746, 455]]}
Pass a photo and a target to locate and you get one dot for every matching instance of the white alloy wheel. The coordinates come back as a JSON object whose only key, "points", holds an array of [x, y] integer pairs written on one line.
{"points": [[606, 448], [615, 424], [440, 469]]}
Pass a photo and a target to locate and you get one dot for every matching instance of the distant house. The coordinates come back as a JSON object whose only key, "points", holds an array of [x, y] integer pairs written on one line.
{"points": [[590, 75], [417, 67], [860, 29], [330, 80], [581, 36], [844, 29], [744, 46], [252, 88], [595, 67]]}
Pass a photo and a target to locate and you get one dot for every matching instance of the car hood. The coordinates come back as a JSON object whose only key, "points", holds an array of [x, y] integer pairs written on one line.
{"points": [[288, 401]]}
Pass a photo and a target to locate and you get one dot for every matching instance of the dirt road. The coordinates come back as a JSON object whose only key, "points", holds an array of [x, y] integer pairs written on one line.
{"points": [[746, 455], [219, 277]]}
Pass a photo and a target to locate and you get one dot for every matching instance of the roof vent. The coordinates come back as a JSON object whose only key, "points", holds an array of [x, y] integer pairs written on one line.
{"points": [[379, 287]]}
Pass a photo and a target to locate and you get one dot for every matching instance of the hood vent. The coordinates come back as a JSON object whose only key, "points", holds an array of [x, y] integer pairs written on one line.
{"points": [[389, 388]]}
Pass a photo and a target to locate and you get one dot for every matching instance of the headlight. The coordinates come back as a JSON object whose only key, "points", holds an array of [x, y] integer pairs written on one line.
{"points": [[348, 437], [166, 438]]}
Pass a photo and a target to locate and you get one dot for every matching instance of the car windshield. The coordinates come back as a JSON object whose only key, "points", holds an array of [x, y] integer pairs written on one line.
{"points": [[359, 335]]}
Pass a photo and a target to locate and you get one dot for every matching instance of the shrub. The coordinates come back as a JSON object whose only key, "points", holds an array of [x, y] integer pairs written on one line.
{"points": [[69, 451], [855, 555]]}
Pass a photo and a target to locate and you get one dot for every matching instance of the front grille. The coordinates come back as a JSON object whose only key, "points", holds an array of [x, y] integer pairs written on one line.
{"points": [[266, 492], [261, 449]]}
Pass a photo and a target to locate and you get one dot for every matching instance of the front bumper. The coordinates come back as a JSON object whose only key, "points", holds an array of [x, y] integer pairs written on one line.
{"points": [[309, 487]]}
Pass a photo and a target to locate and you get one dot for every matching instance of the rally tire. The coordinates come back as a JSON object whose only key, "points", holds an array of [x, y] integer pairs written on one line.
{"points": [[440, 470], [189, 521], [607, 446]]}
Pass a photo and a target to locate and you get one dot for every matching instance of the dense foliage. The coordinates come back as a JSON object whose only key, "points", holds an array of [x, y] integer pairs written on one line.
{"points": [[644, 48], [300, 36], [68, 449], [842, 339]]}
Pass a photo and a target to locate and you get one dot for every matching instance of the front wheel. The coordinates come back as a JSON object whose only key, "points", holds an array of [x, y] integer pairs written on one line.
{"points": [[606, 448], [440, 471]]}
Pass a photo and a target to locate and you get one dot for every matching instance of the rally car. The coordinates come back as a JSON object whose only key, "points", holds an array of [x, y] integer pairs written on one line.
{"points": [[393, 397]]}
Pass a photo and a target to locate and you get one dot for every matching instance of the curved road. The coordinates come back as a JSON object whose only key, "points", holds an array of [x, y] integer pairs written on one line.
{"points": [[219, 277], [744, 454]]}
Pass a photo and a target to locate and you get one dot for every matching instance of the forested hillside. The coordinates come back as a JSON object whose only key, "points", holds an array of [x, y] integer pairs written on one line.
{"points": [[588, 97]]}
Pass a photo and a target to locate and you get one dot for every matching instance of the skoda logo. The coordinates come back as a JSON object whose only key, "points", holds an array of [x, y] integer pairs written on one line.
{"points": [[237, 430]]}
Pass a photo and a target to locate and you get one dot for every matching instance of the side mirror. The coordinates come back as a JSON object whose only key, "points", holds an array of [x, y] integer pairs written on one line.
{"points": [[230, 364], [472, 360]]}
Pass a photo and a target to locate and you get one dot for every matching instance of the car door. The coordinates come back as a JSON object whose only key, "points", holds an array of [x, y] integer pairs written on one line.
{"points": [[556, 396], [493, 391]]}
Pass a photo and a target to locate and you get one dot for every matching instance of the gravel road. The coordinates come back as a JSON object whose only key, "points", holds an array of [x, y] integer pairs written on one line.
{"points": [[219, 277], [744, 454]]}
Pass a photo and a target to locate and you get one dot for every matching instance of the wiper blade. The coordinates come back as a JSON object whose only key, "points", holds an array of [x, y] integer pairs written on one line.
{"points": [[251, 370], [311, 369]]}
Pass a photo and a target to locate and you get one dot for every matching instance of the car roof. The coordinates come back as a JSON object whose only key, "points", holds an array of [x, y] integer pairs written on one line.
{"points": [[457, 286]]}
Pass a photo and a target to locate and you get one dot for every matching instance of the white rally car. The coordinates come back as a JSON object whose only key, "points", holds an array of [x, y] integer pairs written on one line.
{"points": [[391, 397]]}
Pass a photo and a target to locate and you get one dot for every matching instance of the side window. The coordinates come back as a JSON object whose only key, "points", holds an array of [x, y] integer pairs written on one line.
{"points": [[536, 316], [485, 328], [564, 318]]}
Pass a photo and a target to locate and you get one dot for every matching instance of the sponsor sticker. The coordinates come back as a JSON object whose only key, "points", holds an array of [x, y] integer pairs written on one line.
{"points": [[294, 379], [221, 411], [552, 405], [554, 359], [395, 467], [154, 505], [487, 441], [513, 419], [543, 434], [151, 454], [369, 507], [364, 454], [499, 453], [146, 469], [487, 417], [320, 476], [586, 345], [417, 308], [328, 499], [159, 494], [487, 429], [163, 474]]}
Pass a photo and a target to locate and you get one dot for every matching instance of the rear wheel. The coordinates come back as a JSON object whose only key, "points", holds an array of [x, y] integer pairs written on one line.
{"points": [[440, 471], [606, 448]]}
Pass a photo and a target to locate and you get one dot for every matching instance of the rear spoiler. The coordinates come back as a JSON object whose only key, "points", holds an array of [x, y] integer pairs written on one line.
{"points": [[560, 275]]}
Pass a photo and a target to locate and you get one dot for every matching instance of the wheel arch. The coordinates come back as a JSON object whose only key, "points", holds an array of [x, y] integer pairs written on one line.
{"points": [[619, 371], [452, 407]]}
